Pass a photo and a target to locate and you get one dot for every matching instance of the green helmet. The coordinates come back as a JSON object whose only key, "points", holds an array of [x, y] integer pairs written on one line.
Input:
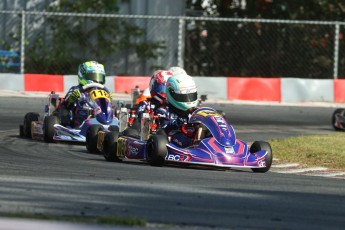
{"points": [[90, 72], [182, 92]]}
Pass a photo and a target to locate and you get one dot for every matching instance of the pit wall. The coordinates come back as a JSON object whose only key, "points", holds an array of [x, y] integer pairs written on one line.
{"points": [[228, 88]]}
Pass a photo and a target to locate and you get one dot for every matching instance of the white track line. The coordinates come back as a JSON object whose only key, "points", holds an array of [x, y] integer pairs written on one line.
{"points": [[329, 174], [302, 170], [285, 165]]}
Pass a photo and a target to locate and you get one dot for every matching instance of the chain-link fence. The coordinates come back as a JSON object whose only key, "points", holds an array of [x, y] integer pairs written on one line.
{"points": [[56, 43]]}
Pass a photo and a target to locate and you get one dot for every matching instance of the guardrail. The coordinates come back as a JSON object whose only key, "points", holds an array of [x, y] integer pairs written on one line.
{"points": [[224, 88]]}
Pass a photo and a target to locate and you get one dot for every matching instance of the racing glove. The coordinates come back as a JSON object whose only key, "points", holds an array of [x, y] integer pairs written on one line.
{"points": [[75, 95]]}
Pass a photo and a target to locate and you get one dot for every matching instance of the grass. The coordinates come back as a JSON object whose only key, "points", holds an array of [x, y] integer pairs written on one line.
{"points": [[106, 220], [319, 150]]}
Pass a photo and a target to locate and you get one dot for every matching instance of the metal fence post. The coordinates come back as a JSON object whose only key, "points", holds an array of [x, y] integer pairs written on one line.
{"points": [[180, 44], [22, 42], [336, 51]]}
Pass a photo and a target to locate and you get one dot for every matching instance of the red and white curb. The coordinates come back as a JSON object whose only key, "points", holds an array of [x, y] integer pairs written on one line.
{"points": [[295, 168]]}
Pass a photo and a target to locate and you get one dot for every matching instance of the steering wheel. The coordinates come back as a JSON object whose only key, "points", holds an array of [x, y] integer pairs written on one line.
{"points": [[94, 84]]}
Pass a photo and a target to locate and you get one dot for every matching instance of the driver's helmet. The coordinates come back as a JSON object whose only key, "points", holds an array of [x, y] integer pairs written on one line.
{"points": [[91, 72], [176, 70], [182, 92], [158, 85]]}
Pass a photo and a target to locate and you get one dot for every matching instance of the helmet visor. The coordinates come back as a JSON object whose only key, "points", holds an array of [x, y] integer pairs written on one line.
{"points": [[189, 97], [95, 77]]}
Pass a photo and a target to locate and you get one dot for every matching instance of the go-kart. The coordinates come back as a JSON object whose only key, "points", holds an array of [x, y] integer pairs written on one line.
{"points": [[92, 110], [214, 144], [338, 119], [132, 108]]}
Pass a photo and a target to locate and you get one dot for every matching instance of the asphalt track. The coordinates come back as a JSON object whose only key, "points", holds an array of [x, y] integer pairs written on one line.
{"points": [[64, 179]]}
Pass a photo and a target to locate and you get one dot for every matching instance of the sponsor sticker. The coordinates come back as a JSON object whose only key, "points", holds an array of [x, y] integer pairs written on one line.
{"points": [[229, 150], [175, 157], [132, 151], [262, 164]]}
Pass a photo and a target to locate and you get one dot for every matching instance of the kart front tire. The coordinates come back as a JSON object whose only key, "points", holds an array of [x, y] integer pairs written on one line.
{"points": [[156, 150], [337, 111], [48, 128], [91, 138], [28, 119], [110, 146], [262, 145]]}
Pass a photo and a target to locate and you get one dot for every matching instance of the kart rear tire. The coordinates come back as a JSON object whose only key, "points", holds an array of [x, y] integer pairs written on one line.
{"points": [[110, 146], [28, 119], [91, 138], [156, 150], [48, 128], [114, 128], [161, 132], [136, 125], [337, 111], [262, 145], [131, 132], [64, 115], [21, 130]]}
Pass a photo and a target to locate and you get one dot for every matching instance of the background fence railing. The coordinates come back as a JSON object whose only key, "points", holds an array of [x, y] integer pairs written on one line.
{"points": [[55, 43]]}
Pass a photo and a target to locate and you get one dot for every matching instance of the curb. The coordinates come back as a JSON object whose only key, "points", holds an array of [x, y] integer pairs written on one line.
{"points": [[295, 168]]}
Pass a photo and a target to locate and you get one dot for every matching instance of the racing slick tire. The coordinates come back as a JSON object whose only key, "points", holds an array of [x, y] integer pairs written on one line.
{"points": [[156, 150], [131, 132], [136, 124], [110, 146], [48, 128], [21, 130], [113, 128], [91, 138], [161, 132], [64, 115], [337, 111], [262, 145], [28, 119]]}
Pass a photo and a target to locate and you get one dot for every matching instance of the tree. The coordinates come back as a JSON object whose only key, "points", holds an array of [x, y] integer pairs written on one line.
{"points": [[70, 40], [267, 49]]}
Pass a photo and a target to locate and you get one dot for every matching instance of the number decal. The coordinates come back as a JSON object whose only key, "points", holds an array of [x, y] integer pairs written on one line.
{"points": [[99, 93]]}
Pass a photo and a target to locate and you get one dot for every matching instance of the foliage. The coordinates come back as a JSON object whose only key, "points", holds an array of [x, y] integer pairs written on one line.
{"points": [[264, 49], [70, 40]]}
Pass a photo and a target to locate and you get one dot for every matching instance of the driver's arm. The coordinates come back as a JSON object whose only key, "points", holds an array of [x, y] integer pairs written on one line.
{"points": [[72, 95]]}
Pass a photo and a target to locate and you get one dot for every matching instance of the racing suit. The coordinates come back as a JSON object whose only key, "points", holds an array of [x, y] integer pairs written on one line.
{"points": [[148, 105], [172, 120], [75, 117]]}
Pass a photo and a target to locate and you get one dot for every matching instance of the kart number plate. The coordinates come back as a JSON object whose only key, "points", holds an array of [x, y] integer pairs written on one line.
{"points": [[99, 93], [206, 113]]}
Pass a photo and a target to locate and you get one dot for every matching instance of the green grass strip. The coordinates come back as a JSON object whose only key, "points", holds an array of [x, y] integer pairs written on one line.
{"points": [[319, 150]]}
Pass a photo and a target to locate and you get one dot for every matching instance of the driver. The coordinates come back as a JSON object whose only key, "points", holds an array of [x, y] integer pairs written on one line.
{"points": [[157, 89], [182, 100], [88, 72]]}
